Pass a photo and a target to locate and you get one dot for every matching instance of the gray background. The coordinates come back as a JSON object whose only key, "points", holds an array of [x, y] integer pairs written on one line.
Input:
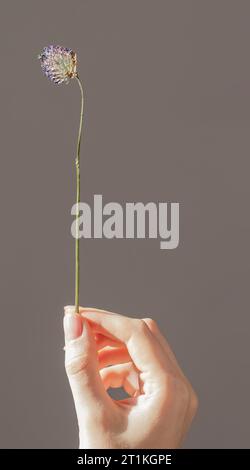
{"points": [[167, 119]]}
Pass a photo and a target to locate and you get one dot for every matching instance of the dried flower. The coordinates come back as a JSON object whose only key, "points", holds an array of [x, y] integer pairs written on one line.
{"points": [[58, 64]]}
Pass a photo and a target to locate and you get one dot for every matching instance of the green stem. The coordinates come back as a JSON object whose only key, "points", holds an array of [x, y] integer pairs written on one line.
{"points": [[77, 250]]}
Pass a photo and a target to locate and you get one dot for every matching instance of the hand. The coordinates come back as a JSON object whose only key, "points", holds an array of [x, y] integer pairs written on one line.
{"points": [[106, 350]]}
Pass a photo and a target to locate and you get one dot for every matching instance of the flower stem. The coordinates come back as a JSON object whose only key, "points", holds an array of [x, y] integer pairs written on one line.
{"points": [[77, 250]]}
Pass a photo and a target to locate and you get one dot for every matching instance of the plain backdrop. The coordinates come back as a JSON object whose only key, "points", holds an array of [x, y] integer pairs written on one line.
{"points": [[167, 87]]}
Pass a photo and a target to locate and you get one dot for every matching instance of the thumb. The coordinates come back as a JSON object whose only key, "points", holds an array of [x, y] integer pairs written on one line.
{"points": [[81, 364]]}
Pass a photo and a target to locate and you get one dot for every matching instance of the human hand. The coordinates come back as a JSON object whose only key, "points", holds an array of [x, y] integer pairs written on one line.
{"points": [[105, 350]]}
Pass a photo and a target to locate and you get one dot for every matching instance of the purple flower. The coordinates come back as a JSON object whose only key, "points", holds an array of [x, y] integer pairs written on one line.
{"points": [[58, 64]]}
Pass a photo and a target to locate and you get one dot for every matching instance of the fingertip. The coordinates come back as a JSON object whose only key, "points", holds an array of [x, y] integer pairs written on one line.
{"points": [[73, 326], [69, 310]]}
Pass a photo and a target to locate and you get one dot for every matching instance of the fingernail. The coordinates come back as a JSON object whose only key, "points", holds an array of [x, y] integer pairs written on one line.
{"points": [[72, 325], [69, 310]]}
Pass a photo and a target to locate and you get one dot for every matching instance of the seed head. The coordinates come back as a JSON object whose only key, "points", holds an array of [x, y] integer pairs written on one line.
{"points": [[58, 64]]}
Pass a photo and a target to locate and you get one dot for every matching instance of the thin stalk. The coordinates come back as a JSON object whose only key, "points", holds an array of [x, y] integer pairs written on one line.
{"points": [[78, 187]]}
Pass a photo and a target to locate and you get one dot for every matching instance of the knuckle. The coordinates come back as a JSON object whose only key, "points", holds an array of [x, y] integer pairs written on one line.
{"points": [[140, 326], [183, 392], [194, 402], [76, 365], [175, 390], [151, 323]]}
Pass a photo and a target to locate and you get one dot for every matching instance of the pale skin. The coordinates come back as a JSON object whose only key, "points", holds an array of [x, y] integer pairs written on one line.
{"points": [[106, 350]]}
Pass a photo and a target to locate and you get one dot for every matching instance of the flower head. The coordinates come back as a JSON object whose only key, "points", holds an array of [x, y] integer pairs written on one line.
{"points": [[58, 64]]}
